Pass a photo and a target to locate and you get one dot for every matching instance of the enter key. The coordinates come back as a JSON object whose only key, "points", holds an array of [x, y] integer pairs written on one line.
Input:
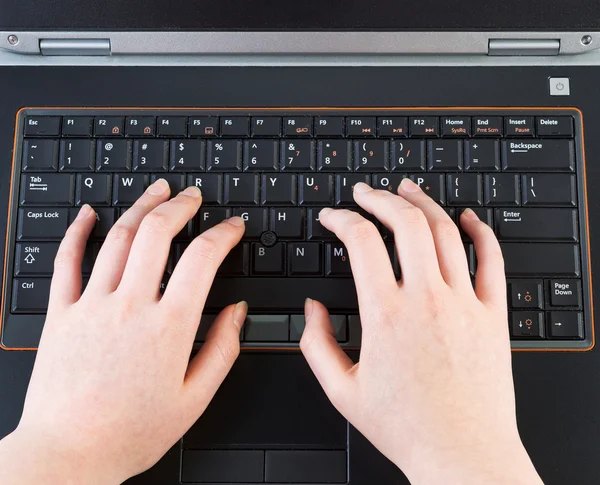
{"points": [[536, 225]]}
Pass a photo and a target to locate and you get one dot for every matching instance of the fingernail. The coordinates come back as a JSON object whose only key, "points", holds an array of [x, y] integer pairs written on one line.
{"points": [[324, 212], [361, 188], [407, 185], [236, 221], [159, 187], [470, 214], [83, 212], [239, 314], [308, 308], [192, 192]]}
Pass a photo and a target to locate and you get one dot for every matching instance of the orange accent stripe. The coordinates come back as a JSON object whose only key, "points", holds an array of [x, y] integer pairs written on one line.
{"points": [[281, 109]]}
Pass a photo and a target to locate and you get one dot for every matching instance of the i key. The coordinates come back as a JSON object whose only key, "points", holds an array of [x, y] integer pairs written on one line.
{"points": [[344, 187]]}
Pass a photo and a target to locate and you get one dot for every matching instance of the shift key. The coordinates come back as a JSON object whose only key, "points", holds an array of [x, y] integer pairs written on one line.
{"points": [[541, 259], [35, 259], [536, 225], [47, 189]]}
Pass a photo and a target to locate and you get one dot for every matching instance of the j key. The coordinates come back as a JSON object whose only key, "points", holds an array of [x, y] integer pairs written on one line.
{"points": [[208, 218], [40, 224], [211, 186], [77, 155], [315, 189], [176, 181], [502, 190], [108, 126], [150, 155], [278, 189], [565, 292], [47, 189], [488, 126], [334, 156], [35, 259], [566, 325], [389, 182], [30, 295], [393, 254], [371, 156], [237, 262], [519, 126], [77, 126], [298, 155], [315, 231], [171, 126], [464, 189], [241, 189], [555, 126], [105, 219], [549, 190], [432, 184], [527, 325], [444, 155], [344, 187], [538, 155], [526, 294], [287, 223], [255, 221], [298, 126], [127, 188], [42, 126], [266, 126], [187, 156], [40, 155], [453, 126], [361, 127], [113, 155], [536, 224], [541, 259], [337, 262], [235, 126], [305, 259], [424, 126], [395, 126], [261, 156], [482, 155], [205, 126], [224, 155], [268, 261], [408, 155], [329, 126], [140, 126], [94, 189]]}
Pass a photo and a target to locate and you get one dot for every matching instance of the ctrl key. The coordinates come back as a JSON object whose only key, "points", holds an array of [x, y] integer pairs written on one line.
{"points": [[527, 325], [30, 295]]}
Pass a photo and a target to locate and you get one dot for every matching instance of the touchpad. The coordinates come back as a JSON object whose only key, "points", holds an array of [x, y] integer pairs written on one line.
{"points": [[269, 401]]}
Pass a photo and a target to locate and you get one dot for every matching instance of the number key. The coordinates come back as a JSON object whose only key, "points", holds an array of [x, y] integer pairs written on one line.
{"points": [[408, 155], [334, 156], [113, 155], [371, 156], [298, 155], [224, 155]]}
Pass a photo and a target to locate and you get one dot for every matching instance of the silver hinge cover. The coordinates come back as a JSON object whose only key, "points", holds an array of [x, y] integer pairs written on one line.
{"points": [[75, 47], [524, 47]]}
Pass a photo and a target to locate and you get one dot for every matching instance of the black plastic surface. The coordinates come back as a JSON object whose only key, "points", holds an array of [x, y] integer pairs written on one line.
{"points": [[558, 394]]}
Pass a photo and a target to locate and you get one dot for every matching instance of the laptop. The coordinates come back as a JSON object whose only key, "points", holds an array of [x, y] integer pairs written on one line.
{"points": [[275, 110]]}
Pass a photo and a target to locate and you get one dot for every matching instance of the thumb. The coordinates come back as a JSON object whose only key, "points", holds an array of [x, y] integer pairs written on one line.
{"points": [[328, 361]]}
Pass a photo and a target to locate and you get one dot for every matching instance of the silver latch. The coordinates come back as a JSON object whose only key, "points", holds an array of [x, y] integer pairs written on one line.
{"points": [[75, 47], [524, 47]]}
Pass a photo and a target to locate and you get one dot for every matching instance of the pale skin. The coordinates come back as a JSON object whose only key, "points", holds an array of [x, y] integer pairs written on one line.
{"points": [[113, 387]]}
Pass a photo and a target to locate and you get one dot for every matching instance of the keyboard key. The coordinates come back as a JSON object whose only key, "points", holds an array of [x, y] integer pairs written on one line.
{"points": [[235, 126], [315, 231], [344, 187], [337, 262], [326, 126], [339, 323], [565, 325], [305, 259], [287, 223], [487, 126], [113, 155], [150, 155], [561, 126], [536, 225], [541, 259], [204, 126], [538, 155], [206, 322], [140, 126], [297, 155], [77, 126], [211, 186], [334, 156], [187, 156], [241, 189], [306, 466], [41, 224], [519, 126], [465, 189], [389, 182], [171, 126], [268, 261], [237, 262], [278, 189], [42, 126], [484, 215], [408, 155], [315, 189], [266, 328], [176, 181], [255, 221], [502, 190], [298, 126], [424, 126], [30, 295], [94, 189], [77, 155], [35, 259], [222, 466], [565, 292], [432, 184], [527, 325], [108, 126], [394, 126], [549, 190], [266, 126], [47, 189], [364, 127], [261, 156], [482, 155], [224, 156], [526, 294], [127, 188], [209, 218], [371, 156], [105, 219], [444, 155], [453, 126], [40, 155]]}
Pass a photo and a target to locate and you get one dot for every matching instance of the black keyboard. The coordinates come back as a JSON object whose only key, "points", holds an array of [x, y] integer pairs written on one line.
{"points": [[522, 171]]}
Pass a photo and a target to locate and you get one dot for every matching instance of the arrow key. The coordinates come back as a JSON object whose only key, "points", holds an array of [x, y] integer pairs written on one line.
{"points": [[566, 325], [526, 294], [527, 325]]}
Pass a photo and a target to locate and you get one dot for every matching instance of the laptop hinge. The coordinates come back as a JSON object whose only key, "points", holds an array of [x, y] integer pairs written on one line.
{"points": [[75, 47], [524, 47]]}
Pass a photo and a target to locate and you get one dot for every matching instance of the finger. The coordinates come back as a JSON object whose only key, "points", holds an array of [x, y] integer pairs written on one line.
{"points": [[369, 260], [113, 255], [194, 274], [328, 361], [212, 363], [65, 288], [490, 281], [414, 241], [446, 237], [149, 252]]}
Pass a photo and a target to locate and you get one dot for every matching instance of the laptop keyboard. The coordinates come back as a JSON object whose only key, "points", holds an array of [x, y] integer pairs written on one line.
{"points": [[521, 171]]}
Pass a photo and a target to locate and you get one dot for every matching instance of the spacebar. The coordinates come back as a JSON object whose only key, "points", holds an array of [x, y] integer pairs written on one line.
{"points": [[283, 294]]}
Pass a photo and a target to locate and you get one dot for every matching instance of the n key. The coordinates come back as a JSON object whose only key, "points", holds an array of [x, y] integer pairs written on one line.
{"points": [[305, 259]]}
